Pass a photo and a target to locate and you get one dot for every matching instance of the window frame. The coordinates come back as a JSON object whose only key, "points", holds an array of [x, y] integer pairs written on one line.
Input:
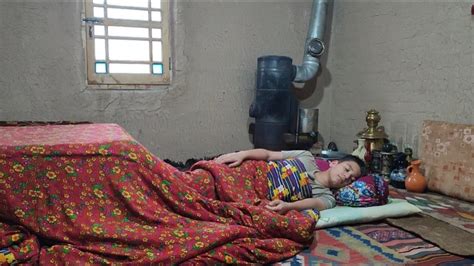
{"points": [[115, 80]]}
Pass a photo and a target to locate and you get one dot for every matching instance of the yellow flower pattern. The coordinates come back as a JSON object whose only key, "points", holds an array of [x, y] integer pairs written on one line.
{"points": [[51, 175], [18, 168], [95, 185]]}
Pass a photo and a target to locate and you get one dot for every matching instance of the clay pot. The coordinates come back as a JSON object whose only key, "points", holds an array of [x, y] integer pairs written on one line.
{"points": [[415, 181]]}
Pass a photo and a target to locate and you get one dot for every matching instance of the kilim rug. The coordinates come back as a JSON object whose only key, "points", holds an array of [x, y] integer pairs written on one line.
{"points": [[372, 244], [412, 247], [444, 235], [345, 245], [453, 211]]}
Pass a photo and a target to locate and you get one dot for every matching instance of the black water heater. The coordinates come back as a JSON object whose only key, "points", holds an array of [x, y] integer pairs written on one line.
{"points": [[275, 102]]}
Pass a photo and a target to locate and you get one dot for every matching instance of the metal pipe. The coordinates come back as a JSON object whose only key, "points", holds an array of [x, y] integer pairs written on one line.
{"points": [[314, 46]]}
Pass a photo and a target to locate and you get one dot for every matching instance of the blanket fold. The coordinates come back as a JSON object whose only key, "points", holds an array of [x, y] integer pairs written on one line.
{"points": [[98, 196]]}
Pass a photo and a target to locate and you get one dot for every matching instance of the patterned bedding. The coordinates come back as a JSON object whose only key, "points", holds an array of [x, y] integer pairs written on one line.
{"points": [[90, 193]]}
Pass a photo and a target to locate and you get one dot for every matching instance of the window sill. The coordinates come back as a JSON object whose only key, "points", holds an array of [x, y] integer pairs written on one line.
{"points": [[128, 87]]}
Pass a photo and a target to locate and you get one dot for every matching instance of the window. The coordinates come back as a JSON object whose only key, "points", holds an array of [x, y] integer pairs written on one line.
{"points": [[127, 42]]}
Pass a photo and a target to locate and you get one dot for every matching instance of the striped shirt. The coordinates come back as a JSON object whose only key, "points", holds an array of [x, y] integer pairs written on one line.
{"points": [[309, 163]]}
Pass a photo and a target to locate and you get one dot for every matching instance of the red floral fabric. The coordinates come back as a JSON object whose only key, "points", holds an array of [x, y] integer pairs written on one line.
{"points": [[92, 194]]}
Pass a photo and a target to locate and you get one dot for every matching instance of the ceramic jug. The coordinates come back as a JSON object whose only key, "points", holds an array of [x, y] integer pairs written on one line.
{"points": [[415, 181], [397, 177]]}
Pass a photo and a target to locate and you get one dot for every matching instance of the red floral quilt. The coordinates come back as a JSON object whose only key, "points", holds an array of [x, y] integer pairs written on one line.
{"points": [[92, 194]]}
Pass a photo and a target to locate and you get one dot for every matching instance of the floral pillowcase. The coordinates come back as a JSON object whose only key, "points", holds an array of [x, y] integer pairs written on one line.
{"points": [[370, 190], [447, 155]]}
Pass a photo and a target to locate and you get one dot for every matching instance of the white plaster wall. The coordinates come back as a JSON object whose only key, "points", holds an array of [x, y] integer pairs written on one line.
{"points": [[203, 113], [410, 60]]}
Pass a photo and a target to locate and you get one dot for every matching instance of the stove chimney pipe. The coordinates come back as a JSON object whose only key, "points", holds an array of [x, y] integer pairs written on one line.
{"points": [[314, 46], [275, 103]]}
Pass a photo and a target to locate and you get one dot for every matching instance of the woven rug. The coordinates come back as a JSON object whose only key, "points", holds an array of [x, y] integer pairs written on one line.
{"points": [[450, 210], [372, 244], [412, 247], [345, 245], [444, 235]]}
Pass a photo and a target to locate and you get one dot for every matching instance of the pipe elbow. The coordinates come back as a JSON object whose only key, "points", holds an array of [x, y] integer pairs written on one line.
{"points": [[307, 70]]}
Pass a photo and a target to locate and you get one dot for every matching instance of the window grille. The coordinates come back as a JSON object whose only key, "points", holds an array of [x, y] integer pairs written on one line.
{"points": [[127, 42]]}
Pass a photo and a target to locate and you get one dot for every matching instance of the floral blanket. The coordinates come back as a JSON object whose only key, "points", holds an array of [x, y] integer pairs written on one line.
{"points": [[92, 194]]}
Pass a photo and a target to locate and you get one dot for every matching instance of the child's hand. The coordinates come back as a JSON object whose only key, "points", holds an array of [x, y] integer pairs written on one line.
{"points": [[232, 159], [279, 206]]}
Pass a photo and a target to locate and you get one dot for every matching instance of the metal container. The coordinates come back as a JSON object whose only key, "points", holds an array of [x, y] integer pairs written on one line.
{"points": [[376, 162], [387, 163], [273, 102], [308, 120]]}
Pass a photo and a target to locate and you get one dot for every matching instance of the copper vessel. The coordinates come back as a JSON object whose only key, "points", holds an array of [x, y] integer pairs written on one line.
{"points": [[415, 181]]}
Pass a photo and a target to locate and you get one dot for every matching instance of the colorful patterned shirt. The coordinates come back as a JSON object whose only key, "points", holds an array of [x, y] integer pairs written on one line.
{"points": [[309, 164]]}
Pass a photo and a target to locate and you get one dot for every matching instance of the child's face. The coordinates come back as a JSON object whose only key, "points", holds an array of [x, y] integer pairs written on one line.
{"points": [[342, 173]]}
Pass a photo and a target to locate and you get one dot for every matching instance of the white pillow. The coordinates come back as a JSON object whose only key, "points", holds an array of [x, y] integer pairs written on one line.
{"points": [[350, 215]]}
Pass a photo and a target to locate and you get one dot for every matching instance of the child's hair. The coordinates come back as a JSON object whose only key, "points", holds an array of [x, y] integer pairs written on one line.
{"points": [[357, 160]]}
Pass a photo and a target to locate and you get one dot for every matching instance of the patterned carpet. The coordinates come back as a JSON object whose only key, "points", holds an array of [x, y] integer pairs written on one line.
{"points": [[450, 238], [453, 211], [377, 243], [345, 244], [411, 246]]}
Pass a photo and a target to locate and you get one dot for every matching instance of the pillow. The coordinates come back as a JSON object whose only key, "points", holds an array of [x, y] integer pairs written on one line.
{"points": [[371, 190], [446, 153], [349, 215], [322, 164]]}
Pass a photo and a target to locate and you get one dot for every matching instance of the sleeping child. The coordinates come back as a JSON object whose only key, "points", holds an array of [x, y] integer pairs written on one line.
{"points": [[292, 170]]}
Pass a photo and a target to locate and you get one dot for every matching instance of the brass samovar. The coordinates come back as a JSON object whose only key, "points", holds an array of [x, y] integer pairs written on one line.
{"points": [[374, 135]]}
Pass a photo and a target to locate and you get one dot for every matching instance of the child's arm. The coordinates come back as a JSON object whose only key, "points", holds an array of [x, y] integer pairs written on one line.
{"points": [[283, 207], [236, 158]]}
